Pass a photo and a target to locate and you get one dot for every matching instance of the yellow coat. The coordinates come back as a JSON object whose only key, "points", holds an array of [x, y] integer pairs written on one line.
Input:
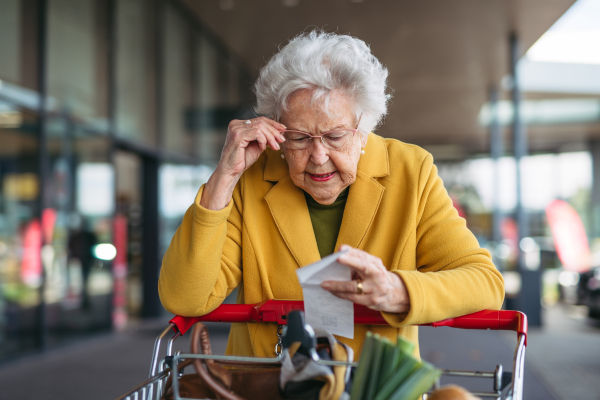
{"points": [[397, 210]]}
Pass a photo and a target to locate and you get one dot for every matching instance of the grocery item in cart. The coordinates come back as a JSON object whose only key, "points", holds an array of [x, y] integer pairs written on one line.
{"points": [[389, 372], [451, 392], [231, 380]]}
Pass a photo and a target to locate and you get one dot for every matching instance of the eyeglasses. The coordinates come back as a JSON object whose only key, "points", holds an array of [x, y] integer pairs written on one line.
{"points": [[335, 140]]}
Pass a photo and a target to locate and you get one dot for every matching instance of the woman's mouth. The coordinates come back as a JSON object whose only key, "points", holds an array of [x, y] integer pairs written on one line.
{"points": [[321, 177]]}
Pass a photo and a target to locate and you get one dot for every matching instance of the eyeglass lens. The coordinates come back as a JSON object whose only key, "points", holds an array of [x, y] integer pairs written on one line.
{"points": [[334, 139]]}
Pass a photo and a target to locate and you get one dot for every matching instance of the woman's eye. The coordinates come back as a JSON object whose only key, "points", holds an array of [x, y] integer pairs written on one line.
{"points": [[299, 139], [336, 136]]}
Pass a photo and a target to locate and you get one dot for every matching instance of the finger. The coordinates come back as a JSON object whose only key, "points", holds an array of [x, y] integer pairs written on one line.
{"points": [[344, 247], [355, 298], [363, 262], [277, 134], [355, 261], [268, 126], [345, 286], [274, 136], [277, 125], [271, 134], [260, 139], [254, 134], [243, 123], [235, 123]]}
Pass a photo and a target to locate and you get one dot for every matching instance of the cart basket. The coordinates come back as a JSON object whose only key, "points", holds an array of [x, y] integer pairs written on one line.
{"points": [[277, 311]]}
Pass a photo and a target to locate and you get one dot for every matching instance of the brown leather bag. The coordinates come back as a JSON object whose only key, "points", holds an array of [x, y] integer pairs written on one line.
{"points": [[229, 380]]}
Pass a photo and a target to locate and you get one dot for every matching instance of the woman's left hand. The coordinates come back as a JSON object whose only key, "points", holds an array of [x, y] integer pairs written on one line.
{"points": [[382, 290]]}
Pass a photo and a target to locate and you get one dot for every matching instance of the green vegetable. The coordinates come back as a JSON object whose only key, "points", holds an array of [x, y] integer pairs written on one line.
{"points": [[405, 346], [373, 381], [389, 372], [407, 366], [417, 383], [391, 359], [359, 386]]}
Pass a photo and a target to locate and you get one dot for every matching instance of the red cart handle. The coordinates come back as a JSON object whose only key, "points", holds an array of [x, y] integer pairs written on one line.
{"points": [[277, 311]]}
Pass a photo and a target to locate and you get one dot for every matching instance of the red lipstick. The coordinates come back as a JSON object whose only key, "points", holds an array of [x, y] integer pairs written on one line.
{"points": [[321, 177]]}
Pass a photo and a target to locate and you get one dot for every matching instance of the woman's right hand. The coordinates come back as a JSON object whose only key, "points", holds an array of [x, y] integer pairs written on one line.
{"points": [[243, 146], [245, 143]]}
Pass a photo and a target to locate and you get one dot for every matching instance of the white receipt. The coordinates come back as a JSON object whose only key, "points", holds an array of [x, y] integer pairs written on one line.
{"points": [[321, 308]]}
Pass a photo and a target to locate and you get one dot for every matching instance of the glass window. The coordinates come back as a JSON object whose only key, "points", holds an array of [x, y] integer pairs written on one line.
{"points": [[20, 234], [10, 40], [18, 43], [178, 186], [177, 77], [135, 72], [221, 94], [80, 205], [20, 228], [207, 101], [77, 61], [208, 89], [79, 195]]}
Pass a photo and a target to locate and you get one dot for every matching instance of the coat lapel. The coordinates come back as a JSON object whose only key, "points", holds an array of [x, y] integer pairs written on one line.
{"points": [[361, 207], [365, 193], [288, 206]]}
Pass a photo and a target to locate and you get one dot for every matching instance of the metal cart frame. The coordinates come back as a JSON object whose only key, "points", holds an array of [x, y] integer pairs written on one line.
{"points": [[276, 311]]}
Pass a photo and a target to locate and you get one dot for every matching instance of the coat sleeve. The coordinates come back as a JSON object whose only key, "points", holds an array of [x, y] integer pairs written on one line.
{"points": [[203, 263], [454, 275]]}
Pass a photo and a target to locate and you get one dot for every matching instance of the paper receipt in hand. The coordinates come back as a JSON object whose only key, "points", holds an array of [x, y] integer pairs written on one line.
{"points": [[321, 308]]}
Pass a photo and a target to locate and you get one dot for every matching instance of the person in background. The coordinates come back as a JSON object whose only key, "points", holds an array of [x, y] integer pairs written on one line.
{"points": [[309, 176], [81, 246]]}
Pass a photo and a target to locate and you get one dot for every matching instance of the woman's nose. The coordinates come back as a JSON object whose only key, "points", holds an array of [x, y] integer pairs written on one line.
{"points": [[320, 153]]}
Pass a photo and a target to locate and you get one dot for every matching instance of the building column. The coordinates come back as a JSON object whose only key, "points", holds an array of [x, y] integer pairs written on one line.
{"points": [[529, 299], [595, 203], [151, 306], [41, 336], [496, 152]]}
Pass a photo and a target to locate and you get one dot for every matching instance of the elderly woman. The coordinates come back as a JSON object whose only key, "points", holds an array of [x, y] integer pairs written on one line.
{"points": [[307, 177]]}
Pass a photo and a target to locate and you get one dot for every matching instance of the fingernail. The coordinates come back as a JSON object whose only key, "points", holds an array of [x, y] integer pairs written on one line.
{"points": [[325, 285], [345, 247], [282, 138], [284, 127]]}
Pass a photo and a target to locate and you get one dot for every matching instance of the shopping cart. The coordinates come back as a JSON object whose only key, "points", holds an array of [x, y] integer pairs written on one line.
{"points": [[506, 385]]}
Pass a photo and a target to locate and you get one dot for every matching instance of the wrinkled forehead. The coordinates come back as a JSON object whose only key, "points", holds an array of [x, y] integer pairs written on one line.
{"points": [[304, 113]]}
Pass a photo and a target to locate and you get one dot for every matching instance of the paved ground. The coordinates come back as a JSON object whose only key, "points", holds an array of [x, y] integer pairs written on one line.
{"points": [[565, 354], [563, 361], [100, 368]]}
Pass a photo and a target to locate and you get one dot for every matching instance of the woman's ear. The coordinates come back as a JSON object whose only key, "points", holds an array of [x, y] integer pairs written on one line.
{"points": [[363, 141]]}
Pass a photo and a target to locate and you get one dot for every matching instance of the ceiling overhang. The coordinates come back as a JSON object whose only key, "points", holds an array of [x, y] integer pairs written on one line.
{"points": [[443, 56]]}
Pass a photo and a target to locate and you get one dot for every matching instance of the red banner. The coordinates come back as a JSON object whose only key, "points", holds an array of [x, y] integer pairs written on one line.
{"points": [[31, 265], [119, 269], [570, 239]]}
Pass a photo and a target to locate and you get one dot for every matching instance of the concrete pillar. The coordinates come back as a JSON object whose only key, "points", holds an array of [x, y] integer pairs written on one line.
{"points": [[151, 306], [595, 203], [529, 300], [496, 152]]}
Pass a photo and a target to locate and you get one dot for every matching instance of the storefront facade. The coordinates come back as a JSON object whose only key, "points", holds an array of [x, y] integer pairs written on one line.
{"points": [[111, 116]]}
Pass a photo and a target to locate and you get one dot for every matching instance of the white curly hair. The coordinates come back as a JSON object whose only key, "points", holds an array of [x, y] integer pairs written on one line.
{"points": [[323, 62]]}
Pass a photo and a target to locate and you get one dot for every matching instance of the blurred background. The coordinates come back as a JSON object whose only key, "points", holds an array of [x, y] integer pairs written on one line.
{"points": [[113, 113]]}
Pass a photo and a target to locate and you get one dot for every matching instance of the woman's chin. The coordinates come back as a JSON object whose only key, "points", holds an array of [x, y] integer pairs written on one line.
{"points": [[324, 195]]}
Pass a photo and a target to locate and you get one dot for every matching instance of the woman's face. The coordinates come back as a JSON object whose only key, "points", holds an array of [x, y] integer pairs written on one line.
{"points": [[320, 171]]}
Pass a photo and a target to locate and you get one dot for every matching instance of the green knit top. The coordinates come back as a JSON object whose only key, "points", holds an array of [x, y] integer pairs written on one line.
{"points": [[326, 221]]}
